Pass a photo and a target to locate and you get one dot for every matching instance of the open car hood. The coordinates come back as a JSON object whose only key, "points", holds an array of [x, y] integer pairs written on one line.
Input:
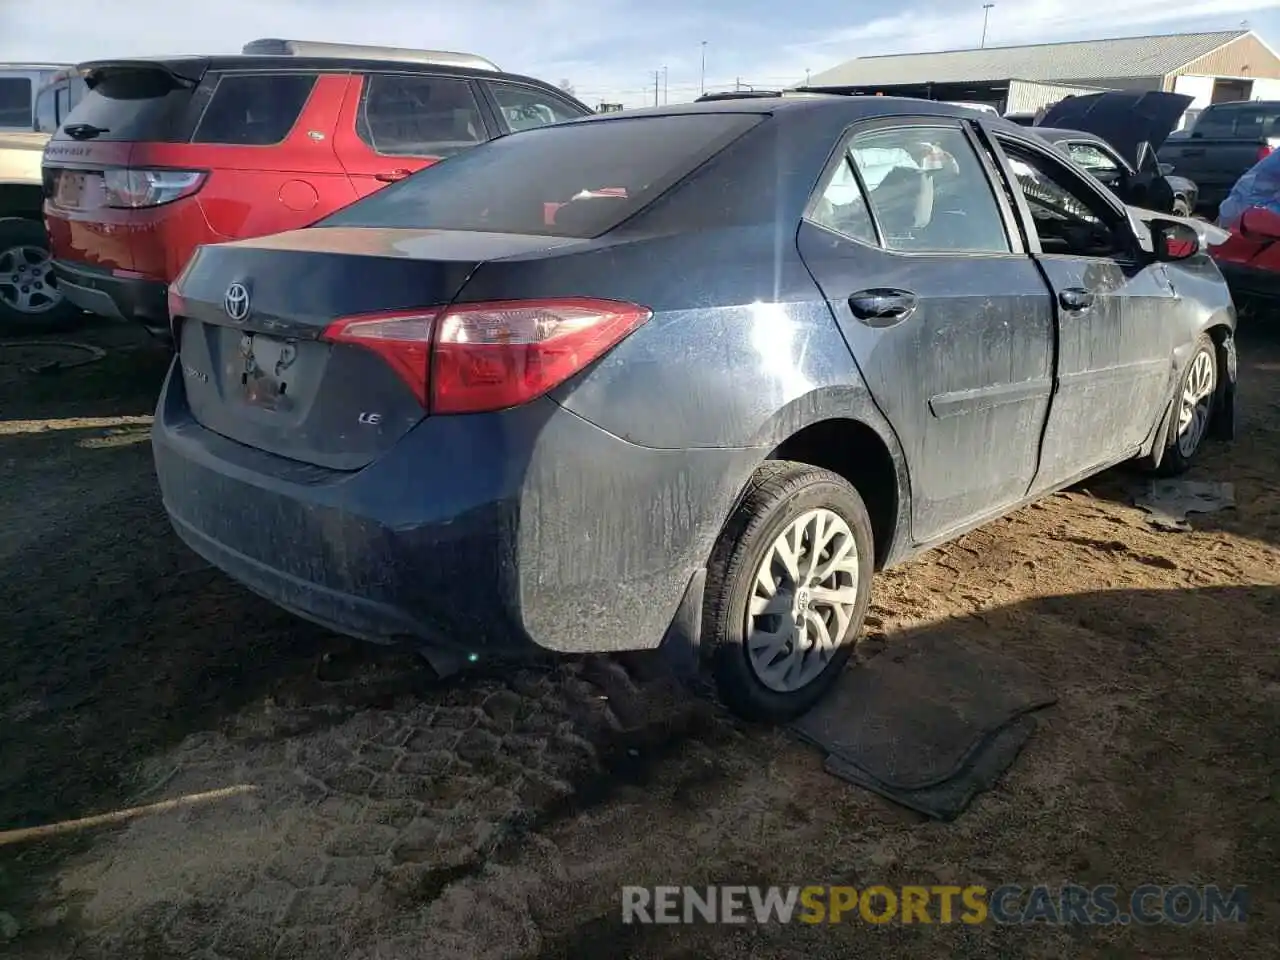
{"points": [[1124, 118]]}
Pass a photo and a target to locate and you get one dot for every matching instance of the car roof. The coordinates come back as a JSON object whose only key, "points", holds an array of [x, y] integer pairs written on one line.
{"points": [[849, 108], [194, 66]]}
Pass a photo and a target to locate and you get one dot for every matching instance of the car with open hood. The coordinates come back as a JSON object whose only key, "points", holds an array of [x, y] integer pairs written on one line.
{"points": [[1115, 135]]}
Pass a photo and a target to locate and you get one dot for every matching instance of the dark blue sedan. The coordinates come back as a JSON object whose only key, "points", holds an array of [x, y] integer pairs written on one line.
{"points": [[682, 376]]}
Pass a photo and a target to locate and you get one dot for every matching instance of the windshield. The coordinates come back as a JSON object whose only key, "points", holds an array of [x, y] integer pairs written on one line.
{"points": [[578, 179]]}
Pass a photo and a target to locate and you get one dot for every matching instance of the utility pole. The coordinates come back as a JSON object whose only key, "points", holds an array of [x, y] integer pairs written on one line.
{"points": [[806, 76], [657, 74], [702, 83], [737, 84], [986, 12], [665, 89]]}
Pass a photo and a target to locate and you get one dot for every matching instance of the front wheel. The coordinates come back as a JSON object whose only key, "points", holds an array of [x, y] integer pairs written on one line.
{"points": [[1193, 409], [787, 590]]}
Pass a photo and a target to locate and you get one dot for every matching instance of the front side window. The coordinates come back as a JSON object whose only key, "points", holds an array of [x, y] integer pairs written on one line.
{"points": [[415, 116], [523, 108], [1069, 217], [928, 190], [255, 110]]}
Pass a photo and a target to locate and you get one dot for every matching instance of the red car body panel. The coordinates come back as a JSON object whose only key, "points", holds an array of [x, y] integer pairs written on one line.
{"points": [[1251, 263]]}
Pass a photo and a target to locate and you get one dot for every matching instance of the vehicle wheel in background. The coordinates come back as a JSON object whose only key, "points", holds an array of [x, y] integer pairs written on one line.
{"points": [[787, 590], [1181, 208], [1193, 409], [29, 301]]}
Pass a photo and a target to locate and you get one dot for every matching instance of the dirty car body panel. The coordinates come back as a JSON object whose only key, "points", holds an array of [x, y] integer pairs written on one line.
{"points": [[347, 483]]}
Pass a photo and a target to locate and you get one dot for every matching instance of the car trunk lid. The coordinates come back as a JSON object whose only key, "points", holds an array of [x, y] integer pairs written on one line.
{"points": [[250, 317], [1123, 118]]}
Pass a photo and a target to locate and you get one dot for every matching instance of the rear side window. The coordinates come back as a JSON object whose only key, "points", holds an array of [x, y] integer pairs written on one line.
{"points": [[418, 116], [572, 180], [15, 102], [133, 104], [255, 110], [525, 107], [1245, 120]]}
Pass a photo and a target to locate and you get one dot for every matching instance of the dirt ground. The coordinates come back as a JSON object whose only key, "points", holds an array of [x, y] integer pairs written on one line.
{"points": [[391, 816]]}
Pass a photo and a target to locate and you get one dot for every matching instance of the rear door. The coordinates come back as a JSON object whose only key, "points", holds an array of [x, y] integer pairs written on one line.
{"points": [[1114, 314], [394, 124], [946, 314]]}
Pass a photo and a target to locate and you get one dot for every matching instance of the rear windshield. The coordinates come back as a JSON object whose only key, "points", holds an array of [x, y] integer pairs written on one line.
{"points": [[1247, 120], [133, 104], [578, 179]]}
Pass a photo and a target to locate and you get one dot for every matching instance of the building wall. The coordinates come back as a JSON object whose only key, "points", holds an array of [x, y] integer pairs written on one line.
{"points": [[1245, 56], [1118, 83]]}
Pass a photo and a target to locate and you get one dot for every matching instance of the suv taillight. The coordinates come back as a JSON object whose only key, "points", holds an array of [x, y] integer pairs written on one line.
{"points": [[130, 188], [477, 357], [1264, 151]]}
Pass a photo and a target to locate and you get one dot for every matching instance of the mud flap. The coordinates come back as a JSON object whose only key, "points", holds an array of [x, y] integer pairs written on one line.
{"points": [[1223, 426], [681, 646]]}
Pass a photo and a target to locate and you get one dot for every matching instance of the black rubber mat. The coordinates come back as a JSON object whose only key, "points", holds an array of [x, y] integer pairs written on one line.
{"points": [[928, 724]]}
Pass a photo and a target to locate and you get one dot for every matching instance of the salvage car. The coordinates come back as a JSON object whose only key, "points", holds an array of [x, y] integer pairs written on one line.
{"points": [[678, 378], [1250, 258], [1116, 135]]}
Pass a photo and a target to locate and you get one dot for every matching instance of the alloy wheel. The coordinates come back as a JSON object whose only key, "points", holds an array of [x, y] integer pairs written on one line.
{"points": [[1195, 403], [26, 280], [803, 601]]}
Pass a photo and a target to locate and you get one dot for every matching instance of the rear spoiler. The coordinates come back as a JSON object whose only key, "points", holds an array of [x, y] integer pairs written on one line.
{"points": [[185, 71]]}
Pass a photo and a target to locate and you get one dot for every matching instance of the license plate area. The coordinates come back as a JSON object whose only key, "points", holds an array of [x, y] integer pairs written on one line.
{"points": [[76, 190], [269, 370]]}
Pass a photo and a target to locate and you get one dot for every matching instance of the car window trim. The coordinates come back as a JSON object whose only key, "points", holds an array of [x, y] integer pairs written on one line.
{"points": [[487, 122], [213, 93], [487, 84], [1109, 199], [1008, 220]]}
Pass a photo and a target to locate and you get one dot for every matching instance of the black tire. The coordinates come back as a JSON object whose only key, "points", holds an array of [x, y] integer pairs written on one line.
{"points": [[18, 232], [1176, 460], [779, 493]]}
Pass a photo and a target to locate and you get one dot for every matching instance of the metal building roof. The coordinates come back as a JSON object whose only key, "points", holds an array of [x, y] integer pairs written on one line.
{"points": [[1123, 57]]}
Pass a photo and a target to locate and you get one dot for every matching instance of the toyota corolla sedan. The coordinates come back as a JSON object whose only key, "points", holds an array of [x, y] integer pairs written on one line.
{"points": [[682, 378]]}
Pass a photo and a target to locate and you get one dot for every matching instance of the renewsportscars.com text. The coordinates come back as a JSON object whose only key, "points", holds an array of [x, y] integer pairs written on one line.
{"points": [[1008, 904]]}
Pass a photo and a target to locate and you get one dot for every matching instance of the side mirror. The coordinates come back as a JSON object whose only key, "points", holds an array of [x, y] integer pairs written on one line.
{"points": [[1146, 157], [1259, 223], [1173, 240], [1165, 169]]}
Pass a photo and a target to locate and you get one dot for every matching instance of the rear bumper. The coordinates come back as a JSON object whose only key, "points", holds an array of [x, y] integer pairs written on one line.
{"points": [[1250, 281], [119, 298], [490, 534]]}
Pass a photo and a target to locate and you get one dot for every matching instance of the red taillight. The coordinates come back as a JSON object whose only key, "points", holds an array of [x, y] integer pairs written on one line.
{"points": [[131, 188], [1265, 151], [488, 356]]}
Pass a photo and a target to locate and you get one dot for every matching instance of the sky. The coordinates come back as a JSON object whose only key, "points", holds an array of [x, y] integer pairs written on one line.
{"points": [[609, 50]]}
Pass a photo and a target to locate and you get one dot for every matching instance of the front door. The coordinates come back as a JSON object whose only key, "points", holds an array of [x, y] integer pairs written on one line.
{"points": [[394, 124], [1116, 328], [947, 316]]}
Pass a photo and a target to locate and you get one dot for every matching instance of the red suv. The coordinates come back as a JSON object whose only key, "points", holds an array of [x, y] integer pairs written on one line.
{"points": [[163, 155]]}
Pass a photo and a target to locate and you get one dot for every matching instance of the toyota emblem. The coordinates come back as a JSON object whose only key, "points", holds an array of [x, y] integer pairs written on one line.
{"points": [[236, 302]]}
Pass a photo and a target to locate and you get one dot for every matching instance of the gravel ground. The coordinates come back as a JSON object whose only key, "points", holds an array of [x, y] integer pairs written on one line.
{"points": [[393, 816]]}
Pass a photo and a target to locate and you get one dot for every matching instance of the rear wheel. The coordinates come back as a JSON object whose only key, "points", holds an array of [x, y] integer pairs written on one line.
{"points": [[1193, 409], [29, 300], [787, 590]]}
